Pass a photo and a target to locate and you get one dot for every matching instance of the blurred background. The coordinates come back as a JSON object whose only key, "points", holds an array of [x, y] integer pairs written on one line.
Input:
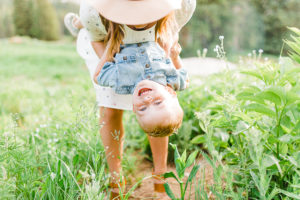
{"points": [[246, 25]]}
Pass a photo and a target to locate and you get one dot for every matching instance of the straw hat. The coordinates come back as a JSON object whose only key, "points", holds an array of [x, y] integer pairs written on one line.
{"points": [[134, 12]]}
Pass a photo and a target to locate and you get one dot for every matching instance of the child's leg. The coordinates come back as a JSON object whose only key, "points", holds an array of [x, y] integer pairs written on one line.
{"points": [[159, 148], [112, 133]]}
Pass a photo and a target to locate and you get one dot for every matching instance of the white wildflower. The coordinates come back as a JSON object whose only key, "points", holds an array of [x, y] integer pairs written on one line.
{"points": [[221, 37], [52, 175], [260, 51]]}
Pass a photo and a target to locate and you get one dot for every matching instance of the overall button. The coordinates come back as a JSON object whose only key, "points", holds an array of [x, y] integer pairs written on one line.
{"points": [[124, 57], [143, 51], [147, 65], [139, 44]]}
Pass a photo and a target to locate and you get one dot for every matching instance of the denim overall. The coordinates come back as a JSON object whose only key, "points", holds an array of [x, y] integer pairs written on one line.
{"points": [[137, 62]]}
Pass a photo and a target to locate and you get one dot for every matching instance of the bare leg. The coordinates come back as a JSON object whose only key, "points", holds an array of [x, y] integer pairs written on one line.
{"points": [[159, 148], [112, 133]]}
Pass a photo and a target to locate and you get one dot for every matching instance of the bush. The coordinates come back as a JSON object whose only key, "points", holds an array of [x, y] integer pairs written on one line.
{"points": [[23, 10], [45, 23], [252, 131]]}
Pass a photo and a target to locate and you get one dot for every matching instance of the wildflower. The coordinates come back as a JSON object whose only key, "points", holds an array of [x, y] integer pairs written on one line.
{"points": [[205, 50], [260, 51], [93, 176], [57, 126], [249, 54], [221, 37], [52, 175], [43, 125], [266, 58], [37, 130]]}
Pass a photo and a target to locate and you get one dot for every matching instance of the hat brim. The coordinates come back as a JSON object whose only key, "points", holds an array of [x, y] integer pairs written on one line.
{"points": [[134, 12]]}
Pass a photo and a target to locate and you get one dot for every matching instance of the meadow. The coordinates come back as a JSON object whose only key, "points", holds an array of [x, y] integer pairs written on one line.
{"points": [[244, 122]]}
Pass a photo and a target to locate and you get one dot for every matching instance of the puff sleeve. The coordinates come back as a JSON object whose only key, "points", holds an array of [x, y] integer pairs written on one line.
{"points": [[91, 20], [185, 13]]}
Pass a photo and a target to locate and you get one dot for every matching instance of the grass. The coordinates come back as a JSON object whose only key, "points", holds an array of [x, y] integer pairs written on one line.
{"points": [[245, 121], [49, 142]]}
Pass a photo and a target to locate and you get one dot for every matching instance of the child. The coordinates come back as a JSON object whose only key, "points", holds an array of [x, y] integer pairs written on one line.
{"points": [[157, 108], [106, 37]]}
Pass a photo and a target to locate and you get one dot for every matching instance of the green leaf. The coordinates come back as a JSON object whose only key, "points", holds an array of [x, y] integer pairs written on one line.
{"points": [[292, 97], [256, 181], [183, 157], [259, 108], [193, 173], [171, 175], [254, 74], [277, 164], [295, 30], [272, 194], [191, 159], [279, 91], [199, 139], [169, 191], [289, 194], [176, 158], [269, 96], [75, 160]]}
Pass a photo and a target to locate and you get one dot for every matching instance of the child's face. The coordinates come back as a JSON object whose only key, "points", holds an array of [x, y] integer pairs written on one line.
{"points": [[155, 104]]}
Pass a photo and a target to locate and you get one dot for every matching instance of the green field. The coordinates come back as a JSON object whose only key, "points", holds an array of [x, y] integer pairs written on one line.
{"points": [[245, 123]]}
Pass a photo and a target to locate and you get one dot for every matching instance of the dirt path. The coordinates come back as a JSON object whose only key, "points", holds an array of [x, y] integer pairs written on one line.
{"points": [[205, 66], [145, 190]]}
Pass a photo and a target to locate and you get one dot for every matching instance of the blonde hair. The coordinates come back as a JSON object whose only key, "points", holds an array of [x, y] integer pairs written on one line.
{"points": [[163, 131], [165, 28]]}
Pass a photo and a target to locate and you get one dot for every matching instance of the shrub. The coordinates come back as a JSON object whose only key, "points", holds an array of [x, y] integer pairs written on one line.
{"points": [[45, 23]]}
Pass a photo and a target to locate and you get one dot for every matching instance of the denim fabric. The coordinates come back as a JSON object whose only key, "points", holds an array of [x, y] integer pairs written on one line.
{"points": [[137, 62]]}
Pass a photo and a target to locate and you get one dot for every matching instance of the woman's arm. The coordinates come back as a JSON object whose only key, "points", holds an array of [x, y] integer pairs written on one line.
{"points": [[174, 55], [172, 51], [99, 48]]}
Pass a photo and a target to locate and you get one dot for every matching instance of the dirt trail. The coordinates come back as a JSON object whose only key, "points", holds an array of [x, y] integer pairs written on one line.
{"points": [[145, 190]]}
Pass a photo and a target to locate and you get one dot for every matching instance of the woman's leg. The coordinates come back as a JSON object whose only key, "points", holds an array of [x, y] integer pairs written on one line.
{"points": [[159, 148], [112, 133]]}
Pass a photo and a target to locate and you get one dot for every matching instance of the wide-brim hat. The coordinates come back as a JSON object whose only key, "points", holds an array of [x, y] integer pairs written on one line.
{"points": [[134, 12]]}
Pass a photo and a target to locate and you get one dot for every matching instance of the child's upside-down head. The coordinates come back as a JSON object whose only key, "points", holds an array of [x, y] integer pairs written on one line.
{"points": [[157, 108]]}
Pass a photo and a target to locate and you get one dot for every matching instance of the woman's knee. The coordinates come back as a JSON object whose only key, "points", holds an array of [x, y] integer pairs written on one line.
{"points": [[110, 114]]}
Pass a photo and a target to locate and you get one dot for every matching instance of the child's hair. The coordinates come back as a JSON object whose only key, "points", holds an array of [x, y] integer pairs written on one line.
{"points": [[165, 129], [165, 28]]}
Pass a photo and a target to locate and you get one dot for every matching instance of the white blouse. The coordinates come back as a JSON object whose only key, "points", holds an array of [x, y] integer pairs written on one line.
{"points": [[96, 31]]}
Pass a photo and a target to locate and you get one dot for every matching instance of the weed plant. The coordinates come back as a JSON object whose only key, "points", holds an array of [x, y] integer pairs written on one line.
{"points": [[252, 128]]}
